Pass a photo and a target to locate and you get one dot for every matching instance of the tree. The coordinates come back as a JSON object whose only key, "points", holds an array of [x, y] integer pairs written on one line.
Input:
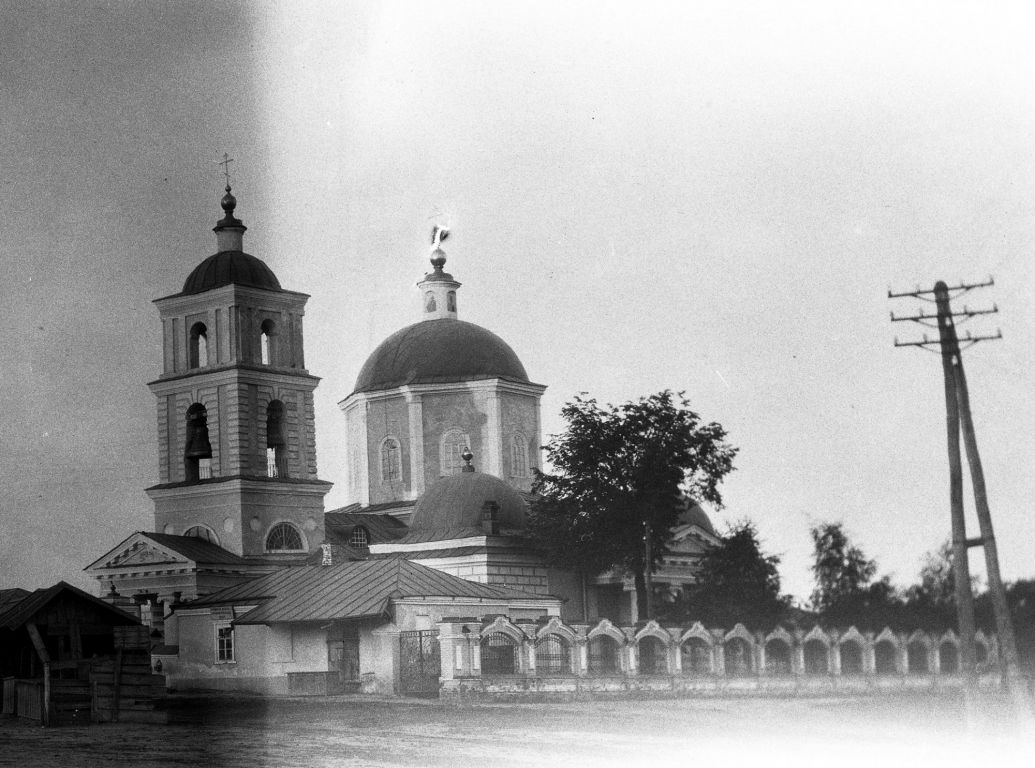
{"points": [[841, 570], [620, 476], [845, 591], [736, 581]]}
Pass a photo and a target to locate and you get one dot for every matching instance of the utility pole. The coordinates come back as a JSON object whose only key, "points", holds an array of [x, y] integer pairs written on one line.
{"points": [[957, 405]]}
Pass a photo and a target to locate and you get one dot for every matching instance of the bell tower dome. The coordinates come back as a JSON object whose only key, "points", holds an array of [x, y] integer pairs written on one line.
{"points": [[236, 429]]}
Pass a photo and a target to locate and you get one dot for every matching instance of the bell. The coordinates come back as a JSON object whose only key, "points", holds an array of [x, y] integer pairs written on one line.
{"points": [[198, 446]]}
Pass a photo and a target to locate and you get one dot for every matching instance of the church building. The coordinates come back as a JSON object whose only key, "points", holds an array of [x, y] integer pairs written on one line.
{"points": [[249, 584]]}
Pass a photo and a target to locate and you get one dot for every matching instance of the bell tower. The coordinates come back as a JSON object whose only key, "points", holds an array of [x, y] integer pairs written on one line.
{"points": [[236, 429]]}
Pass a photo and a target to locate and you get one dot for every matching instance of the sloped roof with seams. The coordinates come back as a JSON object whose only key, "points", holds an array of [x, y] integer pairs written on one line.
{"points": [[349, 591], [198, 551], [381, 528]]}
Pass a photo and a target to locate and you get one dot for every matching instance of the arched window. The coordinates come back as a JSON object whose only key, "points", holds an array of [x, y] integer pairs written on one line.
{"points": [[552, 656], [851, 658], [948, 658], [276, 443], [815, 658], [359, 537], [777, 657], [738, 657], [981, 652], [603, 656], [498, 654], [653, 656], [429, 302], [696, 657], [284, 537], [197, 451], [266, 345], [202, 532], [917, 653], [454, 443], [198, 345], [518, 456], [884, 657], [391, 460]]}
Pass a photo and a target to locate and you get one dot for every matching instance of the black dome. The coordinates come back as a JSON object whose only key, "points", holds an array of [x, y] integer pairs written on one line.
{"points": [[226, 267], [439, 351]]}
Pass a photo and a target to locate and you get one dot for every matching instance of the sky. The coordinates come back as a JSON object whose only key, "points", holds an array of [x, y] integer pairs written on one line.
{"points": [[709, 197]]}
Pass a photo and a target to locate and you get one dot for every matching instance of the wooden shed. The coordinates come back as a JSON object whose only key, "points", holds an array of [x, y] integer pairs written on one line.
{"points": [[69, 657]]}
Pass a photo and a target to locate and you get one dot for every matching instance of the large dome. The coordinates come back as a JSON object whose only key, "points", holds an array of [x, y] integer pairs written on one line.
{"points": [[439, 351], [694, 514], [452, 507], [228, 267]]}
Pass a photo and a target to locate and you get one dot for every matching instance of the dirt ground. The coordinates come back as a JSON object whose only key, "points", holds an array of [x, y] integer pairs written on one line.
{"points": [[238, 731]]}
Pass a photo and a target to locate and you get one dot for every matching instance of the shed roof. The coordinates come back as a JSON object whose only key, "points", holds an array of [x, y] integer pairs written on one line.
{"points": [[348, 591], [18, 612]]}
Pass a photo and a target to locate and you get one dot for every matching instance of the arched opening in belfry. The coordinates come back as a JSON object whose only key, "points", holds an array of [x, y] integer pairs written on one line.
{"points": [[266, 342], [276, 441], [198, 351], [197, 451]]}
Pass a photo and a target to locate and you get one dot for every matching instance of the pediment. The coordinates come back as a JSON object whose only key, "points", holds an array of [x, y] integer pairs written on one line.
{"points": [[136, 552]]}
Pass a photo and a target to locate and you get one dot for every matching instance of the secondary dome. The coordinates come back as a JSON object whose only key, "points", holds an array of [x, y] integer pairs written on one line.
{"points": [[694, 514], [439, 351], [226, 267], [453, 506]]}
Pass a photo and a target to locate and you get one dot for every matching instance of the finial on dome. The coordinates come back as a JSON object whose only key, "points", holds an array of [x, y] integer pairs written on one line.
{"points": [[229, 229], [438, 256], [467, 456]]}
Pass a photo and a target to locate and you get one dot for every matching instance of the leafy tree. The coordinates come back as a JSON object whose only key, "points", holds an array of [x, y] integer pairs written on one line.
{"points": [[842, 571], [932, 602], [620, 476], [845, 591], [736, 581]]}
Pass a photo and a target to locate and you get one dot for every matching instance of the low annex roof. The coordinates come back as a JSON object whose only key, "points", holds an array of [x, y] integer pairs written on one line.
{"points": [[381, 528], [190, 548], [351, 590]]}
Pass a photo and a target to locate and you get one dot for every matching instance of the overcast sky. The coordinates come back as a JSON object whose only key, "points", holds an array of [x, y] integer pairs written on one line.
{"points": [[707, 197]]}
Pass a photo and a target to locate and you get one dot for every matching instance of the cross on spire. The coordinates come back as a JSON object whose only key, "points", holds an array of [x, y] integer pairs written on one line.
{"points": [[225, 162]]}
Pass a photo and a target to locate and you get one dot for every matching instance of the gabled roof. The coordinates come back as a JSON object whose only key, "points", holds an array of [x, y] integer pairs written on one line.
{"points": [[18, 612], [8, 597], [190, 548], [348, 591]]}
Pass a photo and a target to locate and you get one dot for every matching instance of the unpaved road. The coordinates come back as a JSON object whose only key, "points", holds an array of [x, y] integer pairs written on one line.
{"points": [[241, 731]]}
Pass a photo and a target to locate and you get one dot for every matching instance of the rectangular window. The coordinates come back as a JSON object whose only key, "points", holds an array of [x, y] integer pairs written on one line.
{"points": [[224, 644]]}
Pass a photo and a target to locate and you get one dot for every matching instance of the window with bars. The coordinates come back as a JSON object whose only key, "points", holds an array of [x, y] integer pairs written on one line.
{"points": [[552, 656], [391, 460], [359, 538], [225, 643], [284, 537], [202, 532], [518, 456], [454, 443], [498, 655], [603, 655]]}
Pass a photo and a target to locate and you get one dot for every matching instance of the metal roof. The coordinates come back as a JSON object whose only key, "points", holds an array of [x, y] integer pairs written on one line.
{"points": [[436, 352], [348, 591], [198, 550], [230, 267], [380, 528]]}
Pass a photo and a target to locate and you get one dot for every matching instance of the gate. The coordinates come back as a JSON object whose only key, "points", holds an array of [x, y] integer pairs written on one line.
{"points": [[419, 664]]}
